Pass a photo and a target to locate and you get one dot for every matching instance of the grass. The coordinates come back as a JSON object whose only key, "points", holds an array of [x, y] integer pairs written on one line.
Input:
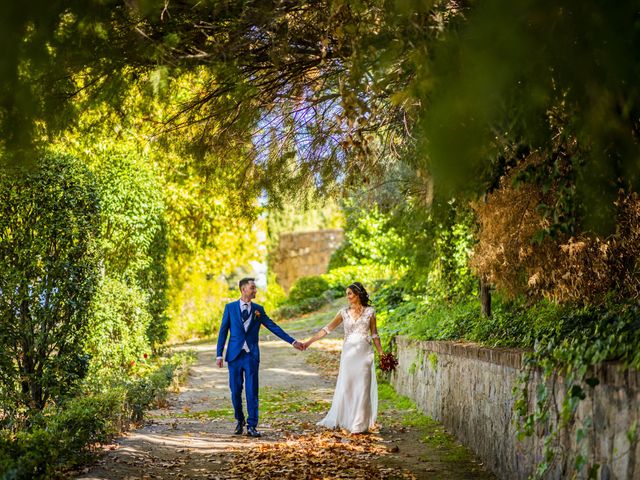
{"points": [[216, 413], [401, 411], [274, 402], [315, 320]]}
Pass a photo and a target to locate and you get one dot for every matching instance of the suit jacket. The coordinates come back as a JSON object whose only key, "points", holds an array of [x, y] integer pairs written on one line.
{"points": [[233, 326]]}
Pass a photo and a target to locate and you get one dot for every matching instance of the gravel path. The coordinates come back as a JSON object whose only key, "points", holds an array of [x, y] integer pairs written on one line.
{"points": [[192, 436]]}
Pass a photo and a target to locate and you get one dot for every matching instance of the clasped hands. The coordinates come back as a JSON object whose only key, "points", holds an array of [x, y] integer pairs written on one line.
{"points": [[302, 346]]}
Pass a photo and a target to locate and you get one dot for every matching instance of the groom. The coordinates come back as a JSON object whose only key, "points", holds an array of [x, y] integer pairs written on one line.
{"points": [[243, 319]]}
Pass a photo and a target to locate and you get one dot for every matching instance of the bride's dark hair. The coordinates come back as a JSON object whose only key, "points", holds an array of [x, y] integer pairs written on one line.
{"points": [[361, 292]]}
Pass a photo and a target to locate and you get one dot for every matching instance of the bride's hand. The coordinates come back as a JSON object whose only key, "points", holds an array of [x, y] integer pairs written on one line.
{"points": [[307, 344]]}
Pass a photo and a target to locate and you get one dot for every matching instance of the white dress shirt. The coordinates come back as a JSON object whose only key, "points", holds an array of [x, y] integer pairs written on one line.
{"points": [[246, 306]]}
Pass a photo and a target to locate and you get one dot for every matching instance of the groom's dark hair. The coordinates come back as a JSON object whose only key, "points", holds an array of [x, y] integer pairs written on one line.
{"points": [[244, 281]]}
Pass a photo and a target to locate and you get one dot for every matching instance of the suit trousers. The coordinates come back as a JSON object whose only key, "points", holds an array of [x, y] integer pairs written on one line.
{"points": [[243, 370]]}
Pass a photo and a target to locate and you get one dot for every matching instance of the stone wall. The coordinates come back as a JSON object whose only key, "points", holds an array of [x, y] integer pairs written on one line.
{"points": [[301, 254], [469, 390]]}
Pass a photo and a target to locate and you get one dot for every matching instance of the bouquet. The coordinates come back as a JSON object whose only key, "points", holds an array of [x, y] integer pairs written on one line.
{"points": [[388, 362]]}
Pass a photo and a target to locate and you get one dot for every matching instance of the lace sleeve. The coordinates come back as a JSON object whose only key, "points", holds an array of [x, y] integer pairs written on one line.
{"points": [[327, 329]]}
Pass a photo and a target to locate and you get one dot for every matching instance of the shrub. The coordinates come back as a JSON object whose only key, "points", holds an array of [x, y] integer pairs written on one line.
{"points": [[62, 435], [307, 305], [132, 211], [154, 280], [307, 287], [518, 253], [134, 231], [118, 327], [151, 389], [514, 323], [49, 271], [311, 293]]}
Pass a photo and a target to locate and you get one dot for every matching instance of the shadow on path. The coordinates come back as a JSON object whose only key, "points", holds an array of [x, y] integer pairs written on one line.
{"points": [[191, 437]]}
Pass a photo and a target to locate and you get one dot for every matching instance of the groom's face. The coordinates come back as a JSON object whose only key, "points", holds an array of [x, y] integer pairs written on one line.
{"points": [[249, 290]]}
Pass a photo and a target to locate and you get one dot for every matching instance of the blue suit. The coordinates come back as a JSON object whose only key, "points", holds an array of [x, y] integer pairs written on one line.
{"points": [[243, 366]]}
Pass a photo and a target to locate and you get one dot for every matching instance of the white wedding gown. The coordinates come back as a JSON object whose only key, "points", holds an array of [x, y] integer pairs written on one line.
{"points": [[355, 400]]}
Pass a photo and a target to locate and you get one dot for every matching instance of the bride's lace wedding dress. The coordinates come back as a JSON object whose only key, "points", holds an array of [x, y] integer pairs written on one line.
{"points": [[355, 400]]}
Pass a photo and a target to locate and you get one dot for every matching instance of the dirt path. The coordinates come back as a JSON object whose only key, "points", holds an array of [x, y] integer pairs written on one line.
{"points": [[191, 437]]}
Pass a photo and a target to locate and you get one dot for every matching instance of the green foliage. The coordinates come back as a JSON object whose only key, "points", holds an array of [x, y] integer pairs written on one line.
{"points": [[177, 228], [46, 48], [369, 238], [457, 91], [582, 339], [132, 210], [62, 435], [433, 361], [197, 306], [324, 95], [150, 389], [134, 230], [154, 280], [561, 340], [273, 296], [307, 305], [49, 227], [308, 294], [369, 275], [531, 74], [307, 287], [427, 246], [513, 323], [118, 326], [454, 240]]}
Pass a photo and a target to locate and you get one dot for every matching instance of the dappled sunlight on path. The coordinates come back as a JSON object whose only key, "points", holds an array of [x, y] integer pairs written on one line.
{"points": [[192, 436]]}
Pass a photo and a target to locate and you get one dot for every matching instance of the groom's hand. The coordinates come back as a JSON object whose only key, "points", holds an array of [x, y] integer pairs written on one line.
{"points": [[297, 345], [219, 362]]}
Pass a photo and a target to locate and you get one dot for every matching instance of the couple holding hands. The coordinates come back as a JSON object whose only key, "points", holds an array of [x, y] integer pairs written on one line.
{"points": [[355, 400]]}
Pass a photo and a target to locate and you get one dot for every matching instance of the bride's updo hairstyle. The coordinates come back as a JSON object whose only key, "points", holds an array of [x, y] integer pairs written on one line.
{"points": [[359, 290]]}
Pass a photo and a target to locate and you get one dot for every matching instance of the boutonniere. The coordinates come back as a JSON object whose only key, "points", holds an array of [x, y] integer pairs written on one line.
{"points": [[257, 314]]}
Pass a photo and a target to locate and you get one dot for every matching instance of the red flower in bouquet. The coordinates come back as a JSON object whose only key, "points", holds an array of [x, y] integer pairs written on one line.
{"points": [[388, 362]]}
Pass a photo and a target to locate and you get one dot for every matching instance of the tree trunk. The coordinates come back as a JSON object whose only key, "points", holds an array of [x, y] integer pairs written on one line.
{"points": [[485, 296]]}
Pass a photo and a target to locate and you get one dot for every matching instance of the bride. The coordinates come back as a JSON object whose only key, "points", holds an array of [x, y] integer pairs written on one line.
{"points": [[355, 400]]}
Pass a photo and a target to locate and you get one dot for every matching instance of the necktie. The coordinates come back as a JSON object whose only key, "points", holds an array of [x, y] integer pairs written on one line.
{"points": [[245, 313]]}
